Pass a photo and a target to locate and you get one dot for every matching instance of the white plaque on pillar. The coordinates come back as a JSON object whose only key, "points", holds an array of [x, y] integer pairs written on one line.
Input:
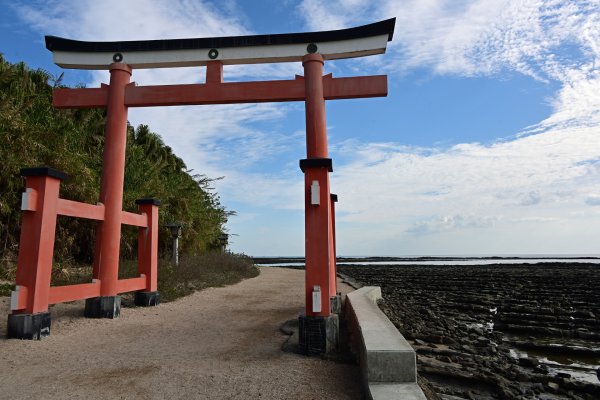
{"points": [[315, 194], [316, 299]]}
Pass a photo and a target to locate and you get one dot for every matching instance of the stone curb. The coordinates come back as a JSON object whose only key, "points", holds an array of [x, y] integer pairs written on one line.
{"points": [[387, 360]]}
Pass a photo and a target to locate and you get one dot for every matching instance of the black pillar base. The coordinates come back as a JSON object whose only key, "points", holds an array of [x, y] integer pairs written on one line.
{"points": [[336, 304], [29, 326], [318, 335], [103, 307], [147, 299]]}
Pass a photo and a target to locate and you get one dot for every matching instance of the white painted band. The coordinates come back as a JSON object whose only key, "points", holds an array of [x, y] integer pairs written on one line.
{"points": [[14, 299], [228, 55], [316, 299], [26, 200], [315, 193]]}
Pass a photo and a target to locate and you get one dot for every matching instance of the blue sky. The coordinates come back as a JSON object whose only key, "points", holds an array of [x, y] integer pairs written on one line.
{"points": [[488, 143]]}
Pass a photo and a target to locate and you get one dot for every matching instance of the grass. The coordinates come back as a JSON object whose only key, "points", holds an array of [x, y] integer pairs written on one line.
{"points": [[6, 288], [197, 272], [213, 269]]}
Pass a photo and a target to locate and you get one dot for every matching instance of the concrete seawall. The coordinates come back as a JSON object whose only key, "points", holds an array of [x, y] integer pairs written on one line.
{"points": [[387, 361]]}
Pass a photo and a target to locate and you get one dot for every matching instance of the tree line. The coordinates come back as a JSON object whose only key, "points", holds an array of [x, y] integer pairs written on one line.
{"points": [[33, 133]]}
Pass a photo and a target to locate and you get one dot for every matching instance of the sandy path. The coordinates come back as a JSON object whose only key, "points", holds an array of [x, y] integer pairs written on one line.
{"points": [[219, 343]]}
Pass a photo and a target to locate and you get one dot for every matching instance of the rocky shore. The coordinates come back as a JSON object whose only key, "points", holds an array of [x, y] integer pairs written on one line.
{"points": [[497, 331]]}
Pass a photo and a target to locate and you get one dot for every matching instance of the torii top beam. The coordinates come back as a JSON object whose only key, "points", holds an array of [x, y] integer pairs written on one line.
{"points": [[335, 44]]}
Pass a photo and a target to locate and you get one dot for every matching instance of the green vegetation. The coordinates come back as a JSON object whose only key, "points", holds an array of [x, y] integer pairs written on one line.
{"points": [[195, 272], [33, 133], [6, 288], [211, 269]]}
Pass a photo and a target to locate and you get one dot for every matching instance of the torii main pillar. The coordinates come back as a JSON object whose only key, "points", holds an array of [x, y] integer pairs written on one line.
{"points": [[320, 279], [319, 324]]}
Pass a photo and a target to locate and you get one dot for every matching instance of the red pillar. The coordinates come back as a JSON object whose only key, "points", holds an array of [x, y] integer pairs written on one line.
{"points": [[148, 243], [316, 167], [148, 253], [113, 173], [38, 230], [333, 259], [316, 124]]}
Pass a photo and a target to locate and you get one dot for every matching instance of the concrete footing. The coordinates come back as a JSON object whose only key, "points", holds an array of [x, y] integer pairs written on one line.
{"points": [[336, 304], [103, 307], [385, 391], [318, 335], [147, 299], [29, 326]]}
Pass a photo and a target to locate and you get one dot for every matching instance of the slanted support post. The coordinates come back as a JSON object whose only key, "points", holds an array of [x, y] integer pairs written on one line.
{"points": [[30, 318], [148, 253], [318, 327], [108, 235], [336, 297]]}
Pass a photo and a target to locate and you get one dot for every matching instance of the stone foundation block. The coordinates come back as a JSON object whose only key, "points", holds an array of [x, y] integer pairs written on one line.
{"points": [[147, 299], [29, 326], [103, 307], [336, 304], [318, 335]]}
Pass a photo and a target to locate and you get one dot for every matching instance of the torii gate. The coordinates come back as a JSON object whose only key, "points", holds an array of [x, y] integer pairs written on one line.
{"points": [[318, 326]]}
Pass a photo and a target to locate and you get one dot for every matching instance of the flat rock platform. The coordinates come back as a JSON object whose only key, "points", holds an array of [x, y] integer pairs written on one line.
{"points": [[219, 343]]}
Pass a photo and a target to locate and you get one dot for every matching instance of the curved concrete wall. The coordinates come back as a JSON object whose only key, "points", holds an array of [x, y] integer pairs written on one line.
{"points": [[387, 360]]}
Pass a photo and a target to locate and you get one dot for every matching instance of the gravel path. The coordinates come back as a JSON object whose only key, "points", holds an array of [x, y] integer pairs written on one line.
{"points": [[220, 343]]}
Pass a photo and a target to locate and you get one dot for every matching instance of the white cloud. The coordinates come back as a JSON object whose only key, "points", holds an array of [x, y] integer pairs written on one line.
{"points": [[593, 200], [475, 37], [536, 186], [531, 198], [577, 103], [541, 177], [548, 40], [336, 14], [533, 190], [131, 20], [450, 223], [215, 140]]}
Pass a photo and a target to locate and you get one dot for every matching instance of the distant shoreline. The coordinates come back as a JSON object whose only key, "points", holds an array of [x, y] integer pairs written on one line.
{"points": [[423, 259]]}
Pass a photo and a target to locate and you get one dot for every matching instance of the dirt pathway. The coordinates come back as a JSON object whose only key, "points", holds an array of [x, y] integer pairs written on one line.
{"points": [[219, 343]]}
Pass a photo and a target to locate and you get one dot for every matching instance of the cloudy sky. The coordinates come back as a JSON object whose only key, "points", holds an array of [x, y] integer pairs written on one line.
{"points": [[488, 143]]}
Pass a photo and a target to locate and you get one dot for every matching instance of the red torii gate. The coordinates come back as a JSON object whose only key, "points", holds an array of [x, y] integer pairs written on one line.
{"points": [[318, 326]]}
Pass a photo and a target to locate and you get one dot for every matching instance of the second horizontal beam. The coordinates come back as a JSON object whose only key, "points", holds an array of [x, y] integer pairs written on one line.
{"points": [[224, 93]]}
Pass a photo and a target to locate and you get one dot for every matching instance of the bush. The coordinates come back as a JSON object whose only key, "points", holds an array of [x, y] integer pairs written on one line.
{"points": [[33, 133], [212, 269]]}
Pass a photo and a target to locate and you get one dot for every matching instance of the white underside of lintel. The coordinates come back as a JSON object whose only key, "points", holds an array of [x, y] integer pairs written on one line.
{"points": [[227, 55]]}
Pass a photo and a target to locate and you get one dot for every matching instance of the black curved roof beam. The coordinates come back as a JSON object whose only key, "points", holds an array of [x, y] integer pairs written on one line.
{"points": [[360, 41]]}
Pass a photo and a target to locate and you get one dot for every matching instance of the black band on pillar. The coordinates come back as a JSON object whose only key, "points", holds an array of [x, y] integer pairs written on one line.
{"points": [[44, 171], [148, 200], [316, 163], [333, 197]]}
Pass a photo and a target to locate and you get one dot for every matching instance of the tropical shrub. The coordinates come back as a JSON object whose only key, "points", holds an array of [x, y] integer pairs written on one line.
{"points": [[33, 133]]}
